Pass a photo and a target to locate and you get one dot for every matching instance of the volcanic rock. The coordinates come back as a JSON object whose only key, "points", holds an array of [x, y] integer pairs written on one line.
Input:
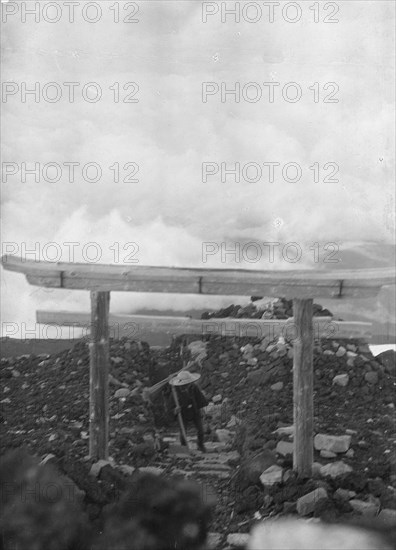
{"points": [[341, 380], [333, 443], [371, 377], [284, 448], [122, 392], [309, 502], [238, 539], [327, 454], [251, 469], [335, 469], [97, 466], [224, 436], [271, 475], [365, 508], [277, 386]]}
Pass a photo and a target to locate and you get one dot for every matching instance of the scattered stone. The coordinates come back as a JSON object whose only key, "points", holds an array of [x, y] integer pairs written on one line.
{"points": [[97, 466], [48, 458], [217, 398], [371, 377], [234, 421], [224, 436], [285, 448], [213, 540], [198, 349], [277, 387], [122, 393], [327, 454], [180, 451], [238, 539], [252, 468], [308, 503], [341, 380], [328, 352], [350, 453], [115, 382], [335, 469], [289, 475], [350, 432], [15, 373], [125, 469], [351, 347], [117, 360], [214, 446], [271, 475], [341, 351], [333, 443], [369, 509]]}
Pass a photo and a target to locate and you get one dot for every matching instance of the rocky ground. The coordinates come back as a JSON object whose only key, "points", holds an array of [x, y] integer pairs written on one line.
{"points": [[263, 308], [247, 469]]}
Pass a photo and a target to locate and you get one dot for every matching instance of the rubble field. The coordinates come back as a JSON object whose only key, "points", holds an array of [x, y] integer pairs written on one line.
{"points": [[247, 470]]}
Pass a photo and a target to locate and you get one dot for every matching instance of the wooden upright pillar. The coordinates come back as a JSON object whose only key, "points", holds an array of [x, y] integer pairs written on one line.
{"points": [[99, 376], [303, 388]]}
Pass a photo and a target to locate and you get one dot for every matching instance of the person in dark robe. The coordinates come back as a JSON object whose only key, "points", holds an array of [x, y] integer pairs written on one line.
{"points": [[191, 400]]}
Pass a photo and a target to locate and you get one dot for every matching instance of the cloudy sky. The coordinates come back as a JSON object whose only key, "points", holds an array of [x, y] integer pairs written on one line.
{"points": [[169, 53]]}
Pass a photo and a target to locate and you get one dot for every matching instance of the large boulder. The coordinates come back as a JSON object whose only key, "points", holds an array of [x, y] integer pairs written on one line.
{"points": [[333, 443], [271, 475], [309, 502]]}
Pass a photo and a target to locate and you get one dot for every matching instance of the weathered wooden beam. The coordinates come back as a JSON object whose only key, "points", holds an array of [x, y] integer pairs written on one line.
{"points": [[139, 326], [303, 388], [99, 376], [232, 282]]}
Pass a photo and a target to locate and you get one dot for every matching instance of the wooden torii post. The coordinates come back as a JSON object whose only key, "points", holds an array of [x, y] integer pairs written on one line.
{"points": [[301, 285]]}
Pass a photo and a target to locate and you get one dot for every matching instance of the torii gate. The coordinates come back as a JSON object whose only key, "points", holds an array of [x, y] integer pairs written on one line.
{"points": [[300, 285]]}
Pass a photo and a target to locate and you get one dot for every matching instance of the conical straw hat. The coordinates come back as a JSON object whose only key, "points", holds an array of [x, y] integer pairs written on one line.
{"points": [[184, 378]]}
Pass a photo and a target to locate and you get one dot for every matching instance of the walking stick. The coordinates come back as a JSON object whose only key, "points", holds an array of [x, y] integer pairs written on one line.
{"points": [[179, 416]]}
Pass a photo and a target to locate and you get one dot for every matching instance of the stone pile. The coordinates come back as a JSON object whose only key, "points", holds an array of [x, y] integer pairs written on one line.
{"points": [[46, 401], [263, 308]]}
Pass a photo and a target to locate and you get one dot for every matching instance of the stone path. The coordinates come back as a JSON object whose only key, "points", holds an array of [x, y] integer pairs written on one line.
{"points": [[217, 463]]}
